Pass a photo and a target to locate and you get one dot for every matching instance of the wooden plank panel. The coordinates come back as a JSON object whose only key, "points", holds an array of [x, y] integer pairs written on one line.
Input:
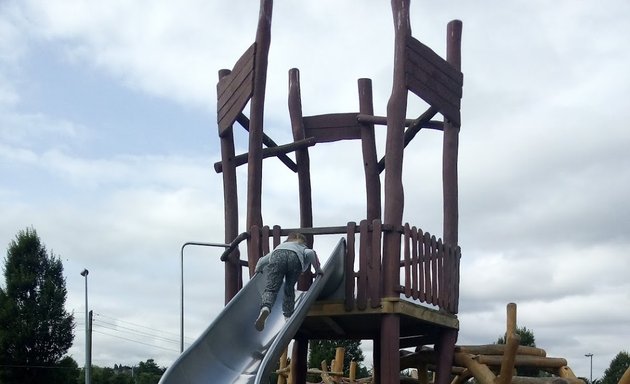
{"points": [[419, 49], [433, 79], [235, 90], [350, 255], [424, 90], [333, 127]]}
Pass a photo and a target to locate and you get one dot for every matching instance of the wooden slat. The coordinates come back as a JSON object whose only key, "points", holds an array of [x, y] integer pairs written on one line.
{"points": [[265, 240], [374, 279], [407, 260], [434, 280], [363, 265], [350, 280], [277, 231], [416, 274], [333, 127], [426, 245], [253, 247], [440, 277], [235, 90], [433, 79]]}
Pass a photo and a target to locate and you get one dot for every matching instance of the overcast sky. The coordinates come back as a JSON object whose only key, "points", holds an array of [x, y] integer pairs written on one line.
{"points": [[108, 135]]}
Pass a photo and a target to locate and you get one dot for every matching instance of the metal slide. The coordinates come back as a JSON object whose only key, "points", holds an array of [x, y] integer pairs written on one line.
{"points": [[231, 350]]}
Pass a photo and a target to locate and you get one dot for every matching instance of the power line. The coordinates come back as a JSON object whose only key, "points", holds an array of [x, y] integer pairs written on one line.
{"points": [[136, 341]]}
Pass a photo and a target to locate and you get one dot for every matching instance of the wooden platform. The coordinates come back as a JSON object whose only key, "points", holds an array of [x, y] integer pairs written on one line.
{"points": [[419, 325]]}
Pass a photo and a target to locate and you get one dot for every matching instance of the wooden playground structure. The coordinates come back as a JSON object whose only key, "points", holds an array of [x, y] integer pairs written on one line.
{"points": [[405, 292], [376, 303]]}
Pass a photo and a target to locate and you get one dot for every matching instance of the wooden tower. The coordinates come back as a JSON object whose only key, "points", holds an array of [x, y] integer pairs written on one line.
{"points": [[405, 292]]}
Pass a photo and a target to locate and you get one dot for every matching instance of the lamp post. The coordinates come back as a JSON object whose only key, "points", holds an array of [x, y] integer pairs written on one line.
{"points": [[590, 355], [181, 269], [88, 358]]}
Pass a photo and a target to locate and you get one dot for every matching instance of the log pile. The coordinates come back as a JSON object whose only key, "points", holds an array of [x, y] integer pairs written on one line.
{"points": [[494, 363]]}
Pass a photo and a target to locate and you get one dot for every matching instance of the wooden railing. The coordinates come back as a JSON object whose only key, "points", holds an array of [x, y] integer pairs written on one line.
{"points": [[429, 268]]}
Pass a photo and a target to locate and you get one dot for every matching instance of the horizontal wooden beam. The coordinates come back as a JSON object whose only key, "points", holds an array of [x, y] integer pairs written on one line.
{"points": [[270, 152]]}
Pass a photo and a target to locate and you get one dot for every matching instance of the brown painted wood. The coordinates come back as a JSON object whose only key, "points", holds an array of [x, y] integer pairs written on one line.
{"points": [[375, 279], [333, 127], [276, 235], [269, 142], [445, 348], [232, 269], [426, 244], [362, 278], [416, 272], [390, 336], [368, 148], [441, 283], [269, 152], [254, 161], [299, 362], [254, 242], [433, 79], [303, 163], [235, 90], [434, 273], [265, 240], [407, 261], [349, 265], [451, 144]]}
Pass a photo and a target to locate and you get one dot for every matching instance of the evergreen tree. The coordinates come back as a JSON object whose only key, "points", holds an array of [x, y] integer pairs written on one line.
{"points": [[320, 350], [616, 369], [35, 329]]}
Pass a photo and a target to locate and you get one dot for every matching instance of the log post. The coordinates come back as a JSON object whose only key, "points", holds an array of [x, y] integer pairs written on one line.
{"points": [[254, 157], [233, 271]]}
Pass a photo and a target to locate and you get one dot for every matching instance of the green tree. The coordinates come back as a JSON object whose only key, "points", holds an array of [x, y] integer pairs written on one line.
{"points": [[320, 350], [148, 372], [529, 340], [35, 329], [616, 369]]}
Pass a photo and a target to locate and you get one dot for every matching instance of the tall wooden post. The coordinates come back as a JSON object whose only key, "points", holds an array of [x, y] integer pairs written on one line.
{"points": [[394, 196], [448, 338], [233, 276], [254, 157], [368, 147]]}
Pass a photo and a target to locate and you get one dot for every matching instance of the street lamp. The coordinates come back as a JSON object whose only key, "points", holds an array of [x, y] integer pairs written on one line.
{"points": [[591, 356], [181, 269], [88, 357]]}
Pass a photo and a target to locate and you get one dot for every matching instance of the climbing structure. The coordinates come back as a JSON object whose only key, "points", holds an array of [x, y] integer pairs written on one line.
{"points": [[405, 291]]}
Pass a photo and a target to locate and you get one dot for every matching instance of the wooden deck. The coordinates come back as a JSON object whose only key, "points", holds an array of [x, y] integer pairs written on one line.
{"points": [[419, 325]]}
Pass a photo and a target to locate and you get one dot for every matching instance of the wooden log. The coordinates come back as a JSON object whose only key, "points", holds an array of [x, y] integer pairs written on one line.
{"points": [[270, 152], [283, 367], [353, 371], [232, 269], [268, 141], [507, 360], [566, 372], [499, 349], [350, 274], [257, 103], [525, 361], [481, 372], [544, 380], [339, 357], [625, 378], [510, 327], [368, 149]]}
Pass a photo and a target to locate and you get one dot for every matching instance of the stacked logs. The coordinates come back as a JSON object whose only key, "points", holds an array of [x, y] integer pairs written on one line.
{"points": [[495, 363]]}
